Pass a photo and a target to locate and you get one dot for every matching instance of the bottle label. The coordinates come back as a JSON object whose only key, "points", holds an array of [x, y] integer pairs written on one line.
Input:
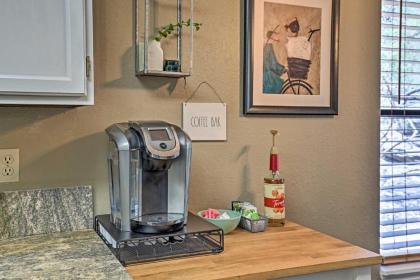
{"points": [[274, 201]]}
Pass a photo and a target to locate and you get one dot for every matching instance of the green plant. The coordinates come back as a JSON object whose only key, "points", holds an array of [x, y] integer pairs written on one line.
{"points": [[167, 30]]}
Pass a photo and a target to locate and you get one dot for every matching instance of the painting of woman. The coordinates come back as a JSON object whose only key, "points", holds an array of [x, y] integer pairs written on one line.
{"points": [[272, 69]]}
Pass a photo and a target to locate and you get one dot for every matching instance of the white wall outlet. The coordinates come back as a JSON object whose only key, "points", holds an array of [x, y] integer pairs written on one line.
{"points": [[9, 165]]}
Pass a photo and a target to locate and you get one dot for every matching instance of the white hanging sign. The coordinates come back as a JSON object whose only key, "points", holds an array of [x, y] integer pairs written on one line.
{"points": [[204, 121]]}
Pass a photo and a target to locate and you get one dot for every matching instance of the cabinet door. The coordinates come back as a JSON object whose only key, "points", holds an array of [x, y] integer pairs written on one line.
{"points": [[43, 50]]}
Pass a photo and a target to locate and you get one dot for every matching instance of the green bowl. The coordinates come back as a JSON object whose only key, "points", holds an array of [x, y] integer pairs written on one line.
{"points": [[227, 225]]}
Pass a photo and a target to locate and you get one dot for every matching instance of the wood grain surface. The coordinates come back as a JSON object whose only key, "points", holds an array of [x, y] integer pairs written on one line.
{"points": [[277, 252]]}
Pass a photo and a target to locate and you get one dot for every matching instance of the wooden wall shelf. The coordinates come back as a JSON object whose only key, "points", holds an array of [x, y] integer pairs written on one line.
{"points": [[166, 74]]}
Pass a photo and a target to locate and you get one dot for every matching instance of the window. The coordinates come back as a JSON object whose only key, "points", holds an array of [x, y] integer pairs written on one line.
{"points": [[400, 131]]}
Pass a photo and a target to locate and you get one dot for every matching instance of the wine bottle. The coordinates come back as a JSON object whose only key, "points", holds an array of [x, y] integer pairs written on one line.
{"points": [[274, 189]]}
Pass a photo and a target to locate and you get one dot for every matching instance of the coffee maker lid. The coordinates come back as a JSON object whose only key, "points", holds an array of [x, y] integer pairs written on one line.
{"points": [[123, 137]]}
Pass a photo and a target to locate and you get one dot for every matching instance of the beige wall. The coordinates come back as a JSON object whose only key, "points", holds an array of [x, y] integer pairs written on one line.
{"points": [[331, 164]]}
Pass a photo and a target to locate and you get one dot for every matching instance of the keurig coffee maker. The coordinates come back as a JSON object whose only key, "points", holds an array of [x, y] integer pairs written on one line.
{"points": [[149, 171], [149, 166]]}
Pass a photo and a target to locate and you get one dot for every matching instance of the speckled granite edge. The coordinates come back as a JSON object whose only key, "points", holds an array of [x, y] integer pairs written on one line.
{"points": [[43, 211], [65, 255]]}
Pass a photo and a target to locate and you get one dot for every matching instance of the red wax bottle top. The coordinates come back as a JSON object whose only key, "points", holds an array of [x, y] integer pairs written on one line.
{"points": [[274, 162]]}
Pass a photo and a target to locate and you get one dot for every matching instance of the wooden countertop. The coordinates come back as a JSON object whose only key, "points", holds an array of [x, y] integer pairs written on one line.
{"points": [[277, 252]]}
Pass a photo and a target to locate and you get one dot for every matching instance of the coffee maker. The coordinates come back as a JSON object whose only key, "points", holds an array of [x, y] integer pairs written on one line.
{"points": [[149, 169], [149, 166]]}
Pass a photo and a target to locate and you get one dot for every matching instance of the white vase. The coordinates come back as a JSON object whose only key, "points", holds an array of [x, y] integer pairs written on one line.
{"points": [[155, 56]]}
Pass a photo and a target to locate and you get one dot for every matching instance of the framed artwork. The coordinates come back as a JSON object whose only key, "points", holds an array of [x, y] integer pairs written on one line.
{"points": [[291, 57]]}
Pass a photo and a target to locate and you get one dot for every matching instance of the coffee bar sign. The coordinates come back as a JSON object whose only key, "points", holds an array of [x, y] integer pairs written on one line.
{"points": [[204, 121]]}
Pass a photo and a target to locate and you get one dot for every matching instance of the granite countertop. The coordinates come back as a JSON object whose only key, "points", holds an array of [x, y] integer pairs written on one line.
{"points": [[64, 255], [44, 211]]}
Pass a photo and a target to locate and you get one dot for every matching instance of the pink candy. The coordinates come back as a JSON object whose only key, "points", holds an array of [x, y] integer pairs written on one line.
{"points": [[211, 214]]}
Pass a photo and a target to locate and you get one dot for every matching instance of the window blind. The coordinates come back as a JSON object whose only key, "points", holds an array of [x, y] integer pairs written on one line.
{"points": [[400, 129]]}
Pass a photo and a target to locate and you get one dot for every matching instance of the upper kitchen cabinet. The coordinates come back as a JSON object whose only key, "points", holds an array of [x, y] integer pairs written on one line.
{"points": [[46, 52]]}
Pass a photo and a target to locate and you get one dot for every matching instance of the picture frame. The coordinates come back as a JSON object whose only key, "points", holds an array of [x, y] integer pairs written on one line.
{"points": [[290, 62]]}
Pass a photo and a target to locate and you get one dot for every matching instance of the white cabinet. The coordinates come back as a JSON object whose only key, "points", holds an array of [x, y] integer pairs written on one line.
{"points": [[46, 52], [358, 273]]}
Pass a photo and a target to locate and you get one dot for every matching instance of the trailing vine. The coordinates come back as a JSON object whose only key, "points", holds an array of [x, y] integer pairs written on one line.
{"points": [[167, 30]]}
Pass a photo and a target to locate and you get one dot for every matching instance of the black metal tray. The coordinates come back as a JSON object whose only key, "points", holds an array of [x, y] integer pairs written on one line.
{"points": [[198, 237]]}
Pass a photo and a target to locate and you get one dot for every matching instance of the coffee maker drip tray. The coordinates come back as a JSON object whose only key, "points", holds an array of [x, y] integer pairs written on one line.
{"points": [[158, 223], [198, 237]]}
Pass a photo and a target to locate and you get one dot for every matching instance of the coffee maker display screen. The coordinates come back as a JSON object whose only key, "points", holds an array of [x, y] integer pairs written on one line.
{"points": [[159, 135]]}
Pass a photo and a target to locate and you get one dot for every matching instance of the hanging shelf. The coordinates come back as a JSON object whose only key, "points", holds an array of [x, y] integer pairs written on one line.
{"points": [[150, 16]]}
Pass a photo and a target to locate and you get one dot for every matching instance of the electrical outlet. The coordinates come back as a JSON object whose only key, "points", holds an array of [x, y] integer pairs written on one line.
{"points": [[9, 165], [8, 171], [8, 159]]}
